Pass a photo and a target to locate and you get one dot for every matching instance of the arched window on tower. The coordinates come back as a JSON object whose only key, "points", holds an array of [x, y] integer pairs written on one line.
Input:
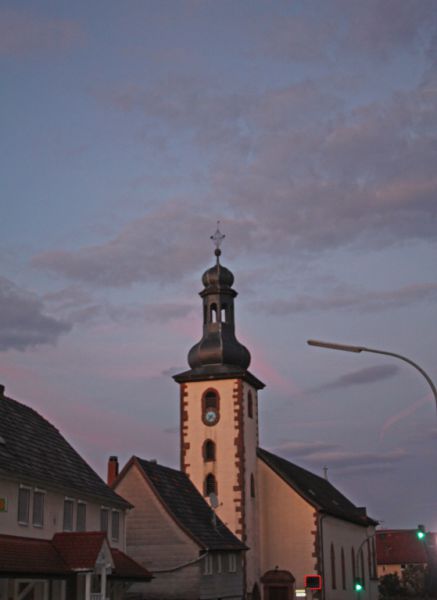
{"points": [[210, 485], [210, 400], [213, 313], [208, 451], [354, 572], [252, 486], [224, 312], [333, 574], [250, 405]]}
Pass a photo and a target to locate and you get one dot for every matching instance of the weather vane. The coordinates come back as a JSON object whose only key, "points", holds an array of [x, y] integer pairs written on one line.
{"points": [[217, 238]]}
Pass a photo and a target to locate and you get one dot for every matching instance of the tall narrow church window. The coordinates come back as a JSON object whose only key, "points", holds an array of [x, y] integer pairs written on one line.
{"points": [[252, 486], [369, 559], [361, 566], [343, 569], [213, 310], [210, 485], [250, 405], [333, 575], [373, 558], [354, 572], [208, 451]]}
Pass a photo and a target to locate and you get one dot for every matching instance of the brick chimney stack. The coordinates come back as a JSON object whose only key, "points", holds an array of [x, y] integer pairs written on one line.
{"points": [[112, 469]]}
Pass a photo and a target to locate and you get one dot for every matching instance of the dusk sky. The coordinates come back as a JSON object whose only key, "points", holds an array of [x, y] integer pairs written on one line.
{"points": [[308, 128]]}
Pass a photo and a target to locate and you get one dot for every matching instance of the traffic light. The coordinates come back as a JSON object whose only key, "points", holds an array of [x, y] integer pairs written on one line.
{"points": [[420, 532], [359, 584]]}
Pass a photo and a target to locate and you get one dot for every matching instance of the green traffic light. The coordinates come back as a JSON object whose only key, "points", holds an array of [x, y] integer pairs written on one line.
{"points": [[420, 535], [358, 587]]}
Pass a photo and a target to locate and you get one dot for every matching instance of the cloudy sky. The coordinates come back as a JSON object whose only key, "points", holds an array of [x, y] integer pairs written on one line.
{"points": [[308, 128]]}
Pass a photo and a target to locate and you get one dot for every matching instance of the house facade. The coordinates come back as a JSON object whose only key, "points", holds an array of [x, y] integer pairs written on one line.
{"points": [[174, 533], [294, 523], [54, 512]]}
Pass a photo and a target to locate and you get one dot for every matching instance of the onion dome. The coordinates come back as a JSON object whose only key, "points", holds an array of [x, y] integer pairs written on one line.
{"points": [[218, 346]]}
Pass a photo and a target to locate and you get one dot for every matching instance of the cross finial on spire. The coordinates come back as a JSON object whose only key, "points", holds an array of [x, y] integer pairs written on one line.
{"points": [[217, 238]]}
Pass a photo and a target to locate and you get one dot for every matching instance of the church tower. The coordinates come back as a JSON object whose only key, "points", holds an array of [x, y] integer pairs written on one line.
{"points": [[219, 415]]}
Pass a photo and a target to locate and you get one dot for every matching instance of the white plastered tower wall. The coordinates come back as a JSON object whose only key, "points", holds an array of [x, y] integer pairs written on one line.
{"points": [[235, 436]]}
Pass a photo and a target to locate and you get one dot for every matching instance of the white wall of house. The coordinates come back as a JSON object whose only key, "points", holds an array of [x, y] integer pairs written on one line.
{"points": [[342, 535], [53, 521], [287, 527]]}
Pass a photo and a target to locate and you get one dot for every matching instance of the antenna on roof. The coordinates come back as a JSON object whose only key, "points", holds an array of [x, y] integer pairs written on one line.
{"points": [[325, 472], [213, 500]]}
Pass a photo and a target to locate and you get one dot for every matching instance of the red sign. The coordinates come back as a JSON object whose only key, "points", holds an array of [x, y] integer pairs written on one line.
{"points": [[313, 582]]}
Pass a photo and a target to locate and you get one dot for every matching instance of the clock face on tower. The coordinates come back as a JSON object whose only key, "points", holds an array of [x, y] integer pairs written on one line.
{"points": [[210, 416]]}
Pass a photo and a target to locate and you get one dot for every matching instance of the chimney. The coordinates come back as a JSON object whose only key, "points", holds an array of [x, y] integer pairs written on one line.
{"points": [[2, 391], [112, 469]]}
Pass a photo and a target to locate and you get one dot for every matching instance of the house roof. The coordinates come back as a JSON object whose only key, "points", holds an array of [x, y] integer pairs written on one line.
{"points": [[31, 557], [399, 546], [319, 492], [80, 550], [33, 450], [187, 507], [64, 555]]}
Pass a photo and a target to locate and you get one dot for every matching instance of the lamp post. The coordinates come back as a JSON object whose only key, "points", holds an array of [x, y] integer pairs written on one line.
{"points": [[358, 349]]}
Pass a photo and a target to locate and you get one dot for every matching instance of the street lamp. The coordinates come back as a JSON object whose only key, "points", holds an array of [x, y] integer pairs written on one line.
{"points": [[357, 349]]}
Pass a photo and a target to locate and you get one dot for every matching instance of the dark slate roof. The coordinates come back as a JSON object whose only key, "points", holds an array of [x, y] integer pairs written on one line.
{"points": [[188, 507], [32, 450], [316, 490]]}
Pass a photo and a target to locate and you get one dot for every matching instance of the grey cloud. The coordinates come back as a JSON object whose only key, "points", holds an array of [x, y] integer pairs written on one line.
{"points": [[375, 28], [360, 377], [23, 323], [162, 312], [24, 33], [155, 248], [347, 298], [173, 370], [350, 461], [304, 449]]}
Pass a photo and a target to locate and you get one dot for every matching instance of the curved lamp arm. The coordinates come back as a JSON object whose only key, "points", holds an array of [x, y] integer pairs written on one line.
{"points": [[357, 349]]}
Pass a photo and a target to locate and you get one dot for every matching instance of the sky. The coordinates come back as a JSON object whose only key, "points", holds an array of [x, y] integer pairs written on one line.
{"points": [[308, 128]]}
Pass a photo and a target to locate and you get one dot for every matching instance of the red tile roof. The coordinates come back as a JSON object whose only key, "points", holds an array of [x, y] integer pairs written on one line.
{"points": [[79, 549], [399, 546], [65, 554], [30, 556]]}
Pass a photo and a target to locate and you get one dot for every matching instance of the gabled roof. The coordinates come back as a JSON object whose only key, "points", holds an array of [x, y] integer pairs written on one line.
{"points": [[64, 555], [33, 450], [399, 546], [319, 492], [187, 507], [80, 550]]}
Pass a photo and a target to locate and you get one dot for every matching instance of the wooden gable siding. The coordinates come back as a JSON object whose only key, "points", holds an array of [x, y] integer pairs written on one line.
{"points": [[155, 540]]}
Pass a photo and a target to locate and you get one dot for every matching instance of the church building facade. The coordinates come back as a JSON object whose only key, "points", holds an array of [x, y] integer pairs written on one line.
{"points": [[293, 522]]}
